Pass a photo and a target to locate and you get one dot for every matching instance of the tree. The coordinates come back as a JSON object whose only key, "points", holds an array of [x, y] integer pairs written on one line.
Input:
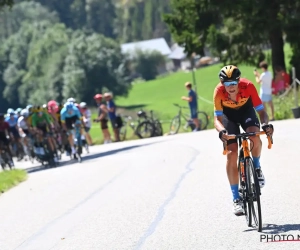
{"points": [[16, 50], [146, 63], [24, 12], [4, 3], [261, 23], [94, 62], [188, 23], [227, 42], [43, 80]]}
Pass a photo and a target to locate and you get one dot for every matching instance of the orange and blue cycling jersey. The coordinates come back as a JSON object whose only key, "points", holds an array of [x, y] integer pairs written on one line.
{"points": [[247, 97]]}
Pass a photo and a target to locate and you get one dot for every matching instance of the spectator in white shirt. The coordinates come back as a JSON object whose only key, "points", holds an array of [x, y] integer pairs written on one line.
{"points": [[265, 81], [86, 113]]}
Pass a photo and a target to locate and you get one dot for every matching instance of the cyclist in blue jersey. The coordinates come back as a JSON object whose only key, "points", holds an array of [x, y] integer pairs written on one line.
{"points": [[69, 116]]}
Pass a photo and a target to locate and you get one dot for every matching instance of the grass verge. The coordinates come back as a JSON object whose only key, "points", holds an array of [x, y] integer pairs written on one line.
{"points": [[11, 178]]}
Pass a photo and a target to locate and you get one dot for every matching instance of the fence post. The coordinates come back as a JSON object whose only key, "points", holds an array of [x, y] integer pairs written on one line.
{"points": [[295, 87]]}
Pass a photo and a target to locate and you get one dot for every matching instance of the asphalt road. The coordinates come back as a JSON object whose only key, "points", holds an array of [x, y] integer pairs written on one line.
{"points": [[161, 193]]}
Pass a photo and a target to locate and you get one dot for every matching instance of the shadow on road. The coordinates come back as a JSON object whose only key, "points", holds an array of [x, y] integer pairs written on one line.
{"points": [[87, 157], [277, 229]]}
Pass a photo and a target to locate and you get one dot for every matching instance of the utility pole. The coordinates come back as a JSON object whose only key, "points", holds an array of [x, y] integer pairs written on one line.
{"points": [[193, 75]]}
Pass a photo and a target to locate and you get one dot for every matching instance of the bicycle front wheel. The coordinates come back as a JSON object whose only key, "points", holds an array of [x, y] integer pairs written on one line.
{"points": [[203, 120], [254, 194], [175, 125], [243, 190]]}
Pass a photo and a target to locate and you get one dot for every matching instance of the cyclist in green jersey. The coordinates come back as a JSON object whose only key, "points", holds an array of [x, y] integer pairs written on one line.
{"points": [[40, 122]]}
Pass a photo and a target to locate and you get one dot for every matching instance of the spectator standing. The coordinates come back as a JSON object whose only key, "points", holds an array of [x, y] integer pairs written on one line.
{"points": [[282, 76], [111, 107], [102, 118], [193, 104], [265, 81], [87, 114]]}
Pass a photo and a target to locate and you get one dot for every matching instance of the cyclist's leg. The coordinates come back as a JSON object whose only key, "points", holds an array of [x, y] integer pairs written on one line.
{"points": [[69, 125], [232, 156], [88, 136], [250, 123], [24, 142]]}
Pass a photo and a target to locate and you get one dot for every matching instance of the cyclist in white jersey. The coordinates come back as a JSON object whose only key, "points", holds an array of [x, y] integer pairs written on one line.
{"points": [[24, 129]]}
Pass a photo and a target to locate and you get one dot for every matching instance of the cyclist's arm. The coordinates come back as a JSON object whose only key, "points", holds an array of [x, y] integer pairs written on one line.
{"points": [[218, 111], [258, 105]]}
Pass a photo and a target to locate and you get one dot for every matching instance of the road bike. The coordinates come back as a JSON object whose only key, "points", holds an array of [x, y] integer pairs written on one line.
{"points": [[43, 151], [176, 121], [149, 126], [249, 188]]}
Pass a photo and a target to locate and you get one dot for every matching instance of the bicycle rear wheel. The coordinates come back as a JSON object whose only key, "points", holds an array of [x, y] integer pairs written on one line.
{"points": [[254, 194], [203, 120], [145, 130], [175, 125]]}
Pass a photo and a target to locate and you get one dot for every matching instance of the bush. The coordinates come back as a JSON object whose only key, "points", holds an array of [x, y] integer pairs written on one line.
{"points": [[147, 63]]}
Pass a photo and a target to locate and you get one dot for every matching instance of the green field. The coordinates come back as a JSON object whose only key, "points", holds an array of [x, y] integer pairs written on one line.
{"points": [[160, 94]]}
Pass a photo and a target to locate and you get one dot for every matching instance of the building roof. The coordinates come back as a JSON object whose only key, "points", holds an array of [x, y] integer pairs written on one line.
{"points": [[158, 44], [178, 53]]}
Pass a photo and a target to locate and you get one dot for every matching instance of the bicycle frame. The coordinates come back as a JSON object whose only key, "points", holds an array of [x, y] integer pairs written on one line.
{"points": [[186, 117]]}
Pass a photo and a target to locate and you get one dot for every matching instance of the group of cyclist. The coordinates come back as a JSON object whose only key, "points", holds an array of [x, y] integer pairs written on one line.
{"points": [[52, 122]]}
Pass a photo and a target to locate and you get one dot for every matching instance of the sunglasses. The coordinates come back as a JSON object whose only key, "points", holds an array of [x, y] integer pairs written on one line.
{"points": [[227, 84]]}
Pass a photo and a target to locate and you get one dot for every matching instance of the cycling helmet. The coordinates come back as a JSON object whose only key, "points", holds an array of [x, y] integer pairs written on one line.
{"points": [[9, 111], [71, 99], [53, 106], [98, 96], [45, 106], [39, 109], [69, 105], [25, 113], [82, 105], [18, 110], [229, 73]]}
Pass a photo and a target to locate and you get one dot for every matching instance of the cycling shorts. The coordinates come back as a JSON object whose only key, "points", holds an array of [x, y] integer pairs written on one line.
{"points": [[70, 121], [245, 120]]}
